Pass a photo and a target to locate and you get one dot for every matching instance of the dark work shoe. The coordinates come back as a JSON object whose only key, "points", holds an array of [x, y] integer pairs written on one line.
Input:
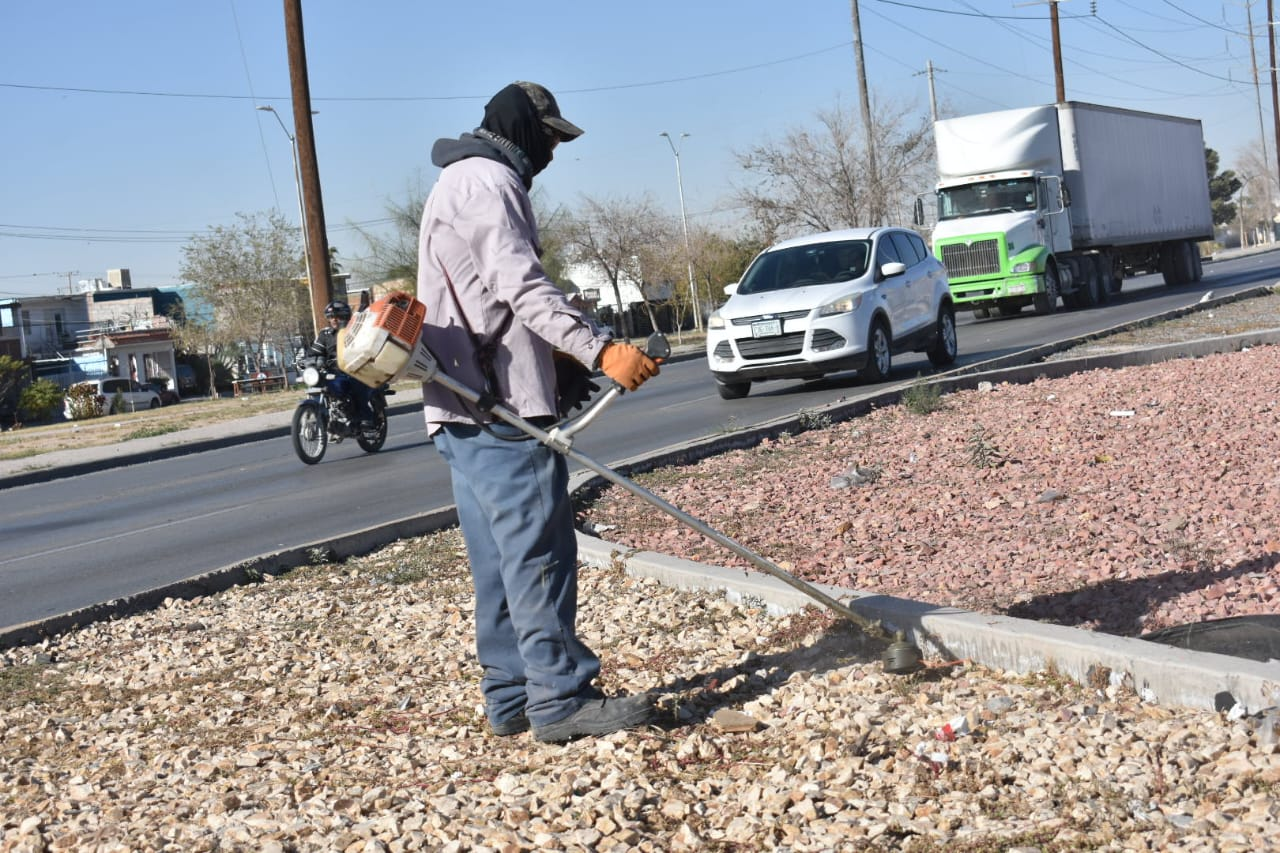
{"points": [[513, 726], [599, 717]]}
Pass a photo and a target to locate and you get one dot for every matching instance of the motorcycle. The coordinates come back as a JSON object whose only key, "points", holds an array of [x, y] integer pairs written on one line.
{"points": [[325, 416]]}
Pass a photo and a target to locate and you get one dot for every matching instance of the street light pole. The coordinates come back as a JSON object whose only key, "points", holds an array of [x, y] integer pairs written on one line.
{"points": [[684, 223], [297, 183]]}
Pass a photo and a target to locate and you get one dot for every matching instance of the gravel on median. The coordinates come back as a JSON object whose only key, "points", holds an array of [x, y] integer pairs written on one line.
{"points": [[337, 708]]}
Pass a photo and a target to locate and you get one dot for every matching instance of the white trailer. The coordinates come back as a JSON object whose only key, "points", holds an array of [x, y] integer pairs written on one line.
{"points": [[1064, 200]]}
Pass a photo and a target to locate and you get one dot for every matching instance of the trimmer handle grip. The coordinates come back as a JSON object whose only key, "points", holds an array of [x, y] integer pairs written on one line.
{"points": [[656, 347]]}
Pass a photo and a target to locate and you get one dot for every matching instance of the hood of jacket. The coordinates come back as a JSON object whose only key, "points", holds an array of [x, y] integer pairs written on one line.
{"points": [[512, 133]]}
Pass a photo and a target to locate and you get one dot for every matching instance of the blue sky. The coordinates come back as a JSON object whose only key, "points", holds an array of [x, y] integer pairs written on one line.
{"points": [[130, 125]]}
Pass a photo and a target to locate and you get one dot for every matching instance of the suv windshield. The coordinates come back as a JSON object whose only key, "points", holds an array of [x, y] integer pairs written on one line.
{"points": [[799, 266], [1009, 195]]}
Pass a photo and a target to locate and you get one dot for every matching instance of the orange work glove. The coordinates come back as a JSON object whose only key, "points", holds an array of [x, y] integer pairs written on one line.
{"points": [[627, 365]]}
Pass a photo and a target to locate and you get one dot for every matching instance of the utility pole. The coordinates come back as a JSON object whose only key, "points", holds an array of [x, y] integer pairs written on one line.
{"points": [[933, 95], [1262, 132], [321, 284], [1060, 86], [1275, 96], [876, 205]]}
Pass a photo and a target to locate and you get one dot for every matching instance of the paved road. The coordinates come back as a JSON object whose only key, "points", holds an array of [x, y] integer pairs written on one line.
{"points": [[81, 540]]}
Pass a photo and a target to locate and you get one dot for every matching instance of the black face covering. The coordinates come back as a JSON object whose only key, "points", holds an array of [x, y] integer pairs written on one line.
{"points": [[511, 115]]}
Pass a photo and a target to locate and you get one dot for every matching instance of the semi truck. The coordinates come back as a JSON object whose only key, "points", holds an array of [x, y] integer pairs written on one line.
{"points": [[1061, 202]]}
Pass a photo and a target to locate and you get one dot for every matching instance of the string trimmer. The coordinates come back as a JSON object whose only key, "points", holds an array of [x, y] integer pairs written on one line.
{"points": [[383, 343]]}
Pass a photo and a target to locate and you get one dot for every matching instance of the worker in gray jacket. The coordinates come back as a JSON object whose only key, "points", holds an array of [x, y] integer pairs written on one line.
{"points": [[494, 320]]}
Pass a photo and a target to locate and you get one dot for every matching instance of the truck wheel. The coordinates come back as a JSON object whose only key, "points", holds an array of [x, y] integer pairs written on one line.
{"points": [[1177, 265], [1117, 276], [982, 313], [1046, 302], [1102, 272], [1199, 262], [1012, 309], [1187, 253], [1086, 295]]}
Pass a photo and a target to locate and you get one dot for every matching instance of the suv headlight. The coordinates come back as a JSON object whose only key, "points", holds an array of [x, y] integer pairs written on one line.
{"points": [[715, 321], [843, 305], [1025, 266]]}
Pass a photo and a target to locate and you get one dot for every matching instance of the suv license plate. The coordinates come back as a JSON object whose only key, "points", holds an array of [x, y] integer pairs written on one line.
{"points": [[766, 328]]}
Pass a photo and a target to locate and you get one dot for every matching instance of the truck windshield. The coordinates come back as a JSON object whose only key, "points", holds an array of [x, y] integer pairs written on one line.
{"points": [[1009, 195], [799, 266]]}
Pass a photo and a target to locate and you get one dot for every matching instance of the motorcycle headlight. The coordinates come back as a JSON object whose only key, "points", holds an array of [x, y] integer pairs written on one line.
{"points": [[715, 321], [311, 376], [843, 305]]}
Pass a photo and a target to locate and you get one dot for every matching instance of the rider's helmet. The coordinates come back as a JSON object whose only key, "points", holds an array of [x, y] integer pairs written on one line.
{"points": [[338, 309]]}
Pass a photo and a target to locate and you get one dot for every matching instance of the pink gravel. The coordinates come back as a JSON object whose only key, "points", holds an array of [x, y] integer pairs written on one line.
{"points": [[1117, 500]]}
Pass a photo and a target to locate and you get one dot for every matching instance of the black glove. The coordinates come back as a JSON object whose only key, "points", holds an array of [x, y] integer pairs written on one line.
{"points": [[573, 384]]}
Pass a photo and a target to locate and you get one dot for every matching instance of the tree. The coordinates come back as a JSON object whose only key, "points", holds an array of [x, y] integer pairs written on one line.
{"points": [[1222, 186], [816, 179], [250, 275], [394, 255], [200, 336], [40, 400], [721, 260], [615, 237]]}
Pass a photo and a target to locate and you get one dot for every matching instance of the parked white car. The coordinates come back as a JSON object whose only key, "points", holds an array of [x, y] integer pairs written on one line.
{"points": [[136, 396], [831, 302]]}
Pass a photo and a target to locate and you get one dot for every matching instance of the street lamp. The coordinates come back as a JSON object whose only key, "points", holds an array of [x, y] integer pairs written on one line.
{"points": [[297, 183], [684, 222]]}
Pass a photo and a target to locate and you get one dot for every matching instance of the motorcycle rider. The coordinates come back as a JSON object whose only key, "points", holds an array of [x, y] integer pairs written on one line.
{"points": [[324, 350]]}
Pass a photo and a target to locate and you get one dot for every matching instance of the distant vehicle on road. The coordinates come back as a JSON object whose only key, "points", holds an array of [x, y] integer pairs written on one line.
{"points": [[1063, 201], [830, 302], [134, 395]]}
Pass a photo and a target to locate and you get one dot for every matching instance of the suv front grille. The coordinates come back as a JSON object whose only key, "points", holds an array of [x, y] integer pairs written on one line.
{"points": [[788, 344], [980, 258]]}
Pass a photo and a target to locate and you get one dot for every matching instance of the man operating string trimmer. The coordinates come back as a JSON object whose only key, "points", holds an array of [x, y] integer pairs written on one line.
{"points": [[495, 321]]}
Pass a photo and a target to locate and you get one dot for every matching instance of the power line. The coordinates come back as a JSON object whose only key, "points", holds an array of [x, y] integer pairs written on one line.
{"points": [[1164, 56], [973, 14], [1202, 20], [373, 98]]}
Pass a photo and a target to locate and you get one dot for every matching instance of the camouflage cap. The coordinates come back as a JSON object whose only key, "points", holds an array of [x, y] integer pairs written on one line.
{"points": [[549, 111]]}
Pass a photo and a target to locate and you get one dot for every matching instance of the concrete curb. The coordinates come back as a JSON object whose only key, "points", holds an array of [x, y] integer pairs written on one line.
{"points": [[1160, 674]]}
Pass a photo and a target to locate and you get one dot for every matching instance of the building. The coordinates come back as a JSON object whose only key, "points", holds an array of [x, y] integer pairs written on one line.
{"points": [[102, 329]]}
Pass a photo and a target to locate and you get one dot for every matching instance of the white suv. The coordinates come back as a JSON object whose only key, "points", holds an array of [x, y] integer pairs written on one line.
{"points": [[841, 300], [135, 395]]}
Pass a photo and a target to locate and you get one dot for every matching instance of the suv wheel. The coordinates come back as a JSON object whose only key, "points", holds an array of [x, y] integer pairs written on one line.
{"points": [[944, 349], [879, 352], [733, 390]]}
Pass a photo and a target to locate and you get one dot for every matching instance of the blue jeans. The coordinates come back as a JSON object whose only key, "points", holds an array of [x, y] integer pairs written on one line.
{"points": [[517, 520], [355, 391]]}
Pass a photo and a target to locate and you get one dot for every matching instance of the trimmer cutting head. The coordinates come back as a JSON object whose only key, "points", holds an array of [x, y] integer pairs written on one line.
{"points": [[902, 657]]}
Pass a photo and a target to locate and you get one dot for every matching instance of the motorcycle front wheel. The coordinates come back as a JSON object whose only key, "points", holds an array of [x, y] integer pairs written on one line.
{"points": [[371, 441], [308, 433]]}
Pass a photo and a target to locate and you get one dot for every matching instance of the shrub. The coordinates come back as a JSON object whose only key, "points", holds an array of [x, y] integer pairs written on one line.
{"points": [[39, 400], [921, 398], [117, 403], [84, 401]]}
